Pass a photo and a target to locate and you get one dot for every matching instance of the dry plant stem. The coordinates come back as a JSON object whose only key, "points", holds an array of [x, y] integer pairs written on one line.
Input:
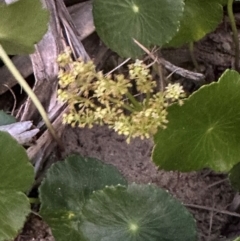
{"points": [[170, 67], [182, 72], [160, 74], [212, 210], [191, 50], [120, 65], [235, 33], [217, 183], [36, 214], [158, 64], [14, 97], [7, 61], [210, 225]]}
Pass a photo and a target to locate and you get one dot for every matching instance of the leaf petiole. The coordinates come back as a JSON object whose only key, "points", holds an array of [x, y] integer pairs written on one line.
{"points": [[14, 71], [235, 32]]}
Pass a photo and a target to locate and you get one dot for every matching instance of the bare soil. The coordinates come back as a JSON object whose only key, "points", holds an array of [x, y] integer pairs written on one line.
{"points": [[211, 192], [206, 189]]}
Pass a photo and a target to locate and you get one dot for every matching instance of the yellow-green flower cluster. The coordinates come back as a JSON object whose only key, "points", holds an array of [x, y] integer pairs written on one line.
{"points": [[95, 98]]}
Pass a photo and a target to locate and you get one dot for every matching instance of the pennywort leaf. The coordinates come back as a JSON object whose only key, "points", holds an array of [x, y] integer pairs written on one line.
{"points": [[137, 213], [22, 24], [204, 132], [16, 177], [199, 18], [151, 22], [66, 188]]}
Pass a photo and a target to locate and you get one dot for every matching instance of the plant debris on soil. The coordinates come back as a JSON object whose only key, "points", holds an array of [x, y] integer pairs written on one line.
{"points": [[206, 194], [206, 189]]}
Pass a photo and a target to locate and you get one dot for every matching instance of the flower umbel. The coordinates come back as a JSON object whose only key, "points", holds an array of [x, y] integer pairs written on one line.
{"points": [[94, 98]]}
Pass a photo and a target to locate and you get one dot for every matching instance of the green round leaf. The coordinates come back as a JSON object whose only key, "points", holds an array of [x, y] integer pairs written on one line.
{"points": [[223, 2], [67, 186], [204, 132], [151, 22], [14, 207], [199, 18], [16, 177], [6, 119], [137, 213], [22, 24], [16, 172], [237, 239], [234, 177]]}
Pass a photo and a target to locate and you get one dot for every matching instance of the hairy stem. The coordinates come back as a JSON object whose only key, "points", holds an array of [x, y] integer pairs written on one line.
{"points": [[7, 61], [235, 32]]}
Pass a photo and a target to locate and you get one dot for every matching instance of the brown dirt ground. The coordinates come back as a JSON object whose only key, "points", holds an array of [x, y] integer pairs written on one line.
{"points": [[134, 162]]}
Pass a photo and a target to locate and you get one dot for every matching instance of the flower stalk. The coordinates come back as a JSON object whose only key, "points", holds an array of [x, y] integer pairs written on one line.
{"points": [[94, 98]]}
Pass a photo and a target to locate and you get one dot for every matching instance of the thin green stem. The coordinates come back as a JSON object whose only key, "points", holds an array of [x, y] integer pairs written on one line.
{"points": [[147, 98], [191, 50], [34, 200], [127, 107], [136, 104], [235, 32], [14, 71]]}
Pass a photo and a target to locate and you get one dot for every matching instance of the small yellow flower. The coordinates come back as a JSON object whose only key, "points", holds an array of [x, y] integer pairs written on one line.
{"points": [[94, 98], [174, 92], [64, 58]]}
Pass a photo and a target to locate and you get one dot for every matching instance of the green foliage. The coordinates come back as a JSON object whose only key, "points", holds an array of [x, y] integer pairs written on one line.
{"points": [[66, 188], [76, 207], [204, 132], [137, 213], [237, 239], [22, 24], [16, 177], [199, 18], [149, 22], [6, 119], [28, 22], [77, 201], [154, 22], [223, 2], [94, 98]]}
